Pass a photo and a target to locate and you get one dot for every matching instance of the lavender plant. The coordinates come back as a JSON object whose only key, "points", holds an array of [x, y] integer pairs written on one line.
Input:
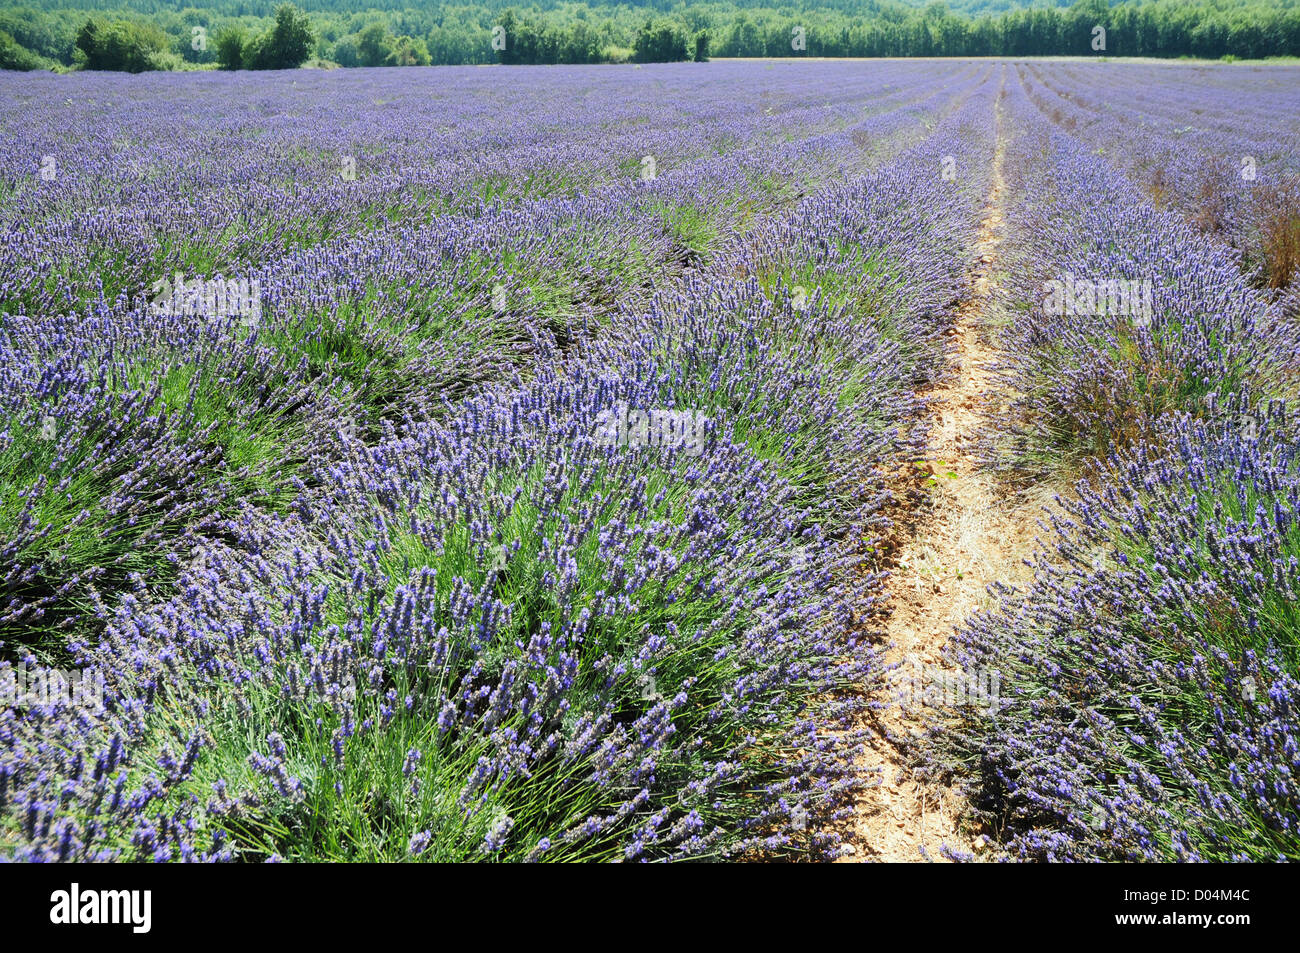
{"points": [[1084, 382], [1153, 663], [478, 629]]}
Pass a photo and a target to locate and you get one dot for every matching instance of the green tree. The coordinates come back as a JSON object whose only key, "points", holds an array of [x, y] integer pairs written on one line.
{"points": [[345, 52], [700, 47], [662, 42], [374, 45], [124, 46], [409, 51], [585, 32], [287, 45], [510, 28], [88, 40], [14, 56], [230, 47]]}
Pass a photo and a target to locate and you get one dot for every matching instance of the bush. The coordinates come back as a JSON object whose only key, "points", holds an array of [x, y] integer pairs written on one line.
{"points": [[286, 46], [700, 47], [410, 51], [374, 45], [230, 48], [49, 37], [123, 46], [1151, 672], [345, 52], [1277, 212]]}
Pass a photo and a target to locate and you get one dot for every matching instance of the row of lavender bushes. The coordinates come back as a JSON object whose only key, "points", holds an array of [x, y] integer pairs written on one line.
{"points": [[1149, 672], [105, 190], [131, 430], [1218, 156], [493, 635]]}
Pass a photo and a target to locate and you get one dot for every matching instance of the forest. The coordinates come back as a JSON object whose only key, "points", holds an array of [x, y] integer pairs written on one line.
{"points": [[138, 35]]}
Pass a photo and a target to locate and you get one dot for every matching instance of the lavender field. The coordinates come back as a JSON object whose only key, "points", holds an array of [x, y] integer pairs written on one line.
{"points": [[861, 460]]}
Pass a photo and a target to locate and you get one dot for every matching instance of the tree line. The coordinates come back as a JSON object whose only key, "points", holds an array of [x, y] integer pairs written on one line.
{"points": [[145, 34]]}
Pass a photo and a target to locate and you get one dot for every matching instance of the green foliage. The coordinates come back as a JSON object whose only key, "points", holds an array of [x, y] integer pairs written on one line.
{"points": [[123, 45], [287, 45], [230, 47], [531, 42], [49, 37], [661, 42], [14, 56], [377, 46], [409, 51], [374, 45], [700, 47], [345, 52], [599, 31]]}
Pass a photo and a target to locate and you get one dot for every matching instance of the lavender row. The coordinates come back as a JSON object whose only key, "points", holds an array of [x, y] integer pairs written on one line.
{"points": [[1223, 157], [527, 632], [1120, 313], [1148, 673], [242, 180], [1148, 708]]}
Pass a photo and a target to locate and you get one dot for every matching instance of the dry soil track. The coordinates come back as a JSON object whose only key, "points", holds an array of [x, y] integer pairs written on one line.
{"points": [[956, 531]]}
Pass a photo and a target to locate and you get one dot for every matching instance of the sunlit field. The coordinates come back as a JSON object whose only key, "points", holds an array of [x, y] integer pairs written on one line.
{"points": [[639, 463]]}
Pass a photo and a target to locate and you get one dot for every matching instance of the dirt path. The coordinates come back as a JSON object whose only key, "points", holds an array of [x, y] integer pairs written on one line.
{"points": [[955, 532]]}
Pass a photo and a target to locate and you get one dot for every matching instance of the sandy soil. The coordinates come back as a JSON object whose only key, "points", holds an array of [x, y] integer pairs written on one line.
{"points": [[956, 530]]}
